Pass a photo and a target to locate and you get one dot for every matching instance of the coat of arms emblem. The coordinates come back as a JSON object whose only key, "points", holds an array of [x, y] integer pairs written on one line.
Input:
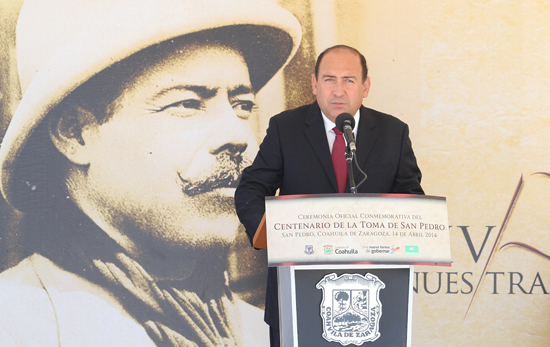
{"points": [[351, 308]]}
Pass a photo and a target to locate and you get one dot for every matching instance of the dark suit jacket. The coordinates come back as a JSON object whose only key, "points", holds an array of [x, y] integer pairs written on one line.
{"points": [[295, 158]]}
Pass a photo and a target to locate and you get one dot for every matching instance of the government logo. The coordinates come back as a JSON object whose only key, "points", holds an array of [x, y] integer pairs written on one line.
{"points": [[351, 308]]}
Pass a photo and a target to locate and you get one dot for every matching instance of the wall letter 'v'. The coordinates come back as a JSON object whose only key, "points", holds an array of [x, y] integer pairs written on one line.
{"points": [[475, 254]]}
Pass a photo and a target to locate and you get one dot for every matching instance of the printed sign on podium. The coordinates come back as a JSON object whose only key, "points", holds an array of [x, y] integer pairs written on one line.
{"points": [[352, 228]]}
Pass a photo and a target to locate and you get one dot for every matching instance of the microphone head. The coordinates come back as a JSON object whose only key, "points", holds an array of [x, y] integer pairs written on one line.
{"points": [[344, 118]]}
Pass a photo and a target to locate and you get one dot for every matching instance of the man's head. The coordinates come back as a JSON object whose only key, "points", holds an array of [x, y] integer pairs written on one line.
{"points": [[163, 165], [340, 81], [61, 44], [145, 106]]}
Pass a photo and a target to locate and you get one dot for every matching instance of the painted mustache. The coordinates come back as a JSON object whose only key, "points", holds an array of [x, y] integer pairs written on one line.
{"points": [[226, 174]]}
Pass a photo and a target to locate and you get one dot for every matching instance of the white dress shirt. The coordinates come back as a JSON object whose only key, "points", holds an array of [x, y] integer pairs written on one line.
{"points": [[331, 135]]}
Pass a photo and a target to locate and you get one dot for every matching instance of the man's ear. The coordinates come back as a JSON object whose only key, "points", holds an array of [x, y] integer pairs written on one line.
{"points": [[69, 129], [366, 87], [314, 84]]}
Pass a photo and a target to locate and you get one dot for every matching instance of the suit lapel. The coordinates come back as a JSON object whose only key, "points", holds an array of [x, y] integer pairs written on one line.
{"points": [[366, 136], [315, 133]]}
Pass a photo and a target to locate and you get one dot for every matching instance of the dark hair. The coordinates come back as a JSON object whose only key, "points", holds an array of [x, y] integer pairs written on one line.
{"points": [[364, 68]]}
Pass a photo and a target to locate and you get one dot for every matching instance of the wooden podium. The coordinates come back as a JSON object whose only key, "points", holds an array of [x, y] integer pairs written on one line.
{"points": [[346, 264], [260, 237]]}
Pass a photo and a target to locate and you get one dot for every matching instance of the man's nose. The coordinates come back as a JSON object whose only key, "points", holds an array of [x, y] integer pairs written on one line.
{"points": [[232, 134], [233, 148], [338, 89]]}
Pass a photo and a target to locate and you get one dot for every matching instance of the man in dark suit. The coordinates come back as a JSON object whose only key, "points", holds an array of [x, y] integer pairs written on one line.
{"points": [[295, 156]]}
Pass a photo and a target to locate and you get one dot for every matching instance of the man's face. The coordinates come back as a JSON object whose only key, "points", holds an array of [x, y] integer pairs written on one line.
{"points": [[339, 87], [164, 167]]}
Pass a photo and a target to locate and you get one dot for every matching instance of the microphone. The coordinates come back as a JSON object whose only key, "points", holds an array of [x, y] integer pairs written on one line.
{"points": [[345, 123]]}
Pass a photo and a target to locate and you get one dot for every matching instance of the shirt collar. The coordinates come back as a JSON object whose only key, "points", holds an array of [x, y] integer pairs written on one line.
{"points": [[330, 124]]}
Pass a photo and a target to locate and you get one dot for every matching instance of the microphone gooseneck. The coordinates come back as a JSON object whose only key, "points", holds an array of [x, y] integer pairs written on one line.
{"points": [[345, 123]]}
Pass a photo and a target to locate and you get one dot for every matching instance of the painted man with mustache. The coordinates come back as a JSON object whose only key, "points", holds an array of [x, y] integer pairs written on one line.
{"points": [[124, 154]]}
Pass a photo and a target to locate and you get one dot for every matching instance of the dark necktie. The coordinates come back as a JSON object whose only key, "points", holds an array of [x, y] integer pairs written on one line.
{"points": [[339, 160]]}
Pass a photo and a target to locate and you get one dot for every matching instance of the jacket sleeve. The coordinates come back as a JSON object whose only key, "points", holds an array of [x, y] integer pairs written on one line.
{"points": [[259, 180], [408, 177]]}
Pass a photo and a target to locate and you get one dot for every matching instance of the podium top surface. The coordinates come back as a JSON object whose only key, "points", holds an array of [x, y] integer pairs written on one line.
{"points": [[354, 195]]}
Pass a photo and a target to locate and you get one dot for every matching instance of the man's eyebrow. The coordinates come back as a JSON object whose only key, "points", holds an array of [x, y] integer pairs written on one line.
{"points": [[202, 91], [333, 76], [240, 90]]}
